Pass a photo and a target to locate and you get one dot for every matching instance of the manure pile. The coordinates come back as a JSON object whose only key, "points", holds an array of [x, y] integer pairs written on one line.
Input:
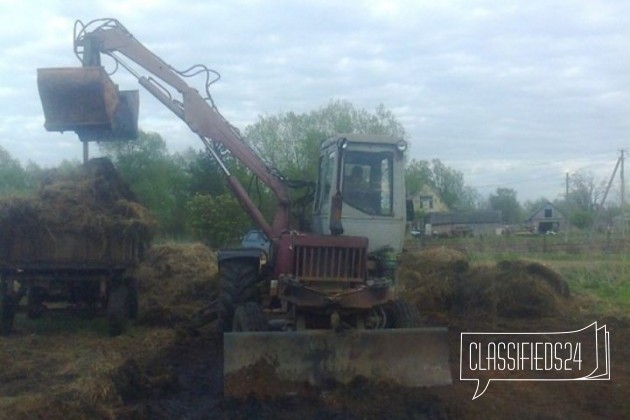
{"points": [[175, 282], [441, 282], [89, 217]]}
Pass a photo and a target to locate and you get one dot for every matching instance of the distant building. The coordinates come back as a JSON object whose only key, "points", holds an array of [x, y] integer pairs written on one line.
{"points": [[467, 223], [547, 218], [427, 200]]}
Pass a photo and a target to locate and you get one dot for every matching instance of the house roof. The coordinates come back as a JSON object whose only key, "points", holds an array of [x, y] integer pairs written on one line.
{"points": [[545, 205]]}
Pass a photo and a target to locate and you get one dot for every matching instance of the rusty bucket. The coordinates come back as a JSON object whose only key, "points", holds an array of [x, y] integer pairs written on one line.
{"points": [[85, 100]]}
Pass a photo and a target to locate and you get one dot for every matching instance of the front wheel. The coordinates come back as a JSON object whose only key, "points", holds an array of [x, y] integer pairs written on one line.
{"points": [[249, 317], [402, 314], [239, 286]]}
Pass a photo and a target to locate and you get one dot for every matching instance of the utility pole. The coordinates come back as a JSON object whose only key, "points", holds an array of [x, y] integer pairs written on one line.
{"points": [[601, 205], [566, 202]]}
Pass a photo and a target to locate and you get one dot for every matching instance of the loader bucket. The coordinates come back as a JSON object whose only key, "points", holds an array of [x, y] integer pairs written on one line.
{"points": [[85, 100], [124, 125], [409, 357]]}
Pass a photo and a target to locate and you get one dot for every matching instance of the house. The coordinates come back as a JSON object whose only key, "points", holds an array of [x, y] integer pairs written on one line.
{"points": [[465, 223], [547, 218], [427, 200]]}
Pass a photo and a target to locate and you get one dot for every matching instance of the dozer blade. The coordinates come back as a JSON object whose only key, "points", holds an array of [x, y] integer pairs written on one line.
{"points": [[85, 100], [409, 357]]}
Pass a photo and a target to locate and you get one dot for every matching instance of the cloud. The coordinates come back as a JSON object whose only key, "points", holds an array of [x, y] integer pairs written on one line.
{"points": [[497, 83]]}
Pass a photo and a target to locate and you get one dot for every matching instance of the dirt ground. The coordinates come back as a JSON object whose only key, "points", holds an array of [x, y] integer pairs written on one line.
{"points": [[511, 296], [67, 367]]}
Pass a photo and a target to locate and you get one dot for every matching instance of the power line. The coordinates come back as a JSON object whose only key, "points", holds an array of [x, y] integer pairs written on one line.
{"points": [[535, 178]]}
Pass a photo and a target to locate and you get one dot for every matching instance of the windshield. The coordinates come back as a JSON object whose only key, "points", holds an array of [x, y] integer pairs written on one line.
{"points": [[367, 182]]}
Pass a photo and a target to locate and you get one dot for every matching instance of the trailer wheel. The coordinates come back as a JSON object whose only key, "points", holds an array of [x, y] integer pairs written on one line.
{"points": [[402, 314], [238, 280], [7, 312], [35, 302], [117, 308], [249, 317]]}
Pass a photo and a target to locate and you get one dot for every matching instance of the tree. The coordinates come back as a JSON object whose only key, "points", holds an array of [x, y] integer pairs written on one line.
{"points": [[418, 173], [580, 205], [158, 179], [13, 178], [217, 220], [204, 173], [447, 182], [585, 192], [290, 141], [505, 201]]}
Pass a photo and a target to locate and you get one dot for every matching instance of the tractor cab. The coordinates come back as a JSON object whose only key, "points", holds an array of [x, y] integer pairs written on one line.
{"points": [[367, 173]]}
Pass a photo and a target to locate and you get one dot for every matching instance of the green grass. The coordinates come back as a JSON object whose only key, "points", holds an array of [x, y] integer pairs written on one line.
{"points": [[608, 279]]}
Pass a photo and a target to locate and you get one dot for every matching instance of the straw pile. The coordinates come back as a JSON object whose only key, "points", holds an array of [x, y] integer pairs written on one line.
{"points": [[441, 281], [175, 282], [87, 217]]}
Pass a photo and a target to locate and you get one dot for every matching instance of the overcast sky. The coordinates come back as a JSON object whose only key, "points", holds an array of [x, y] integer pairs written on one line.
{"points": [[512, 93]]}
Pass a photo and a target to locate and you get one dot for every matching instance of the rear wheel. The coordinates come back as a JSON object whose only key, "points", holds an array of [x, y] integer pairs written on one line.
{"points": [[249, 317], [402, 314], [238, 280]]}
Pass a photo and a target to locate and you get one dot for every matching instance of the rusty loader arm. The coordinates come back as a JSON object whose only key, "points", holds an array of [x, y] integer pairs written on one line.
{"points": [[111, 38]]}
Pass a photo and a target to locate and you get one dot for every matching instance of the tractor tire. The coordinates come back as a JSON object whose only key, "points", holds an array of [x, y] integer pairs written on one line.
{"points": [[238, 280], [402, 314], [117, 309], [249, 317], [7, 314]]}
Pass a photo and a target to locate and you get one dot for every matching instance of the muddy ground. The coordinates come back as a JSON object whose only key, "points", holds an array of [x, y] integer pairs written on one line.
{"points": [[67, 367]]}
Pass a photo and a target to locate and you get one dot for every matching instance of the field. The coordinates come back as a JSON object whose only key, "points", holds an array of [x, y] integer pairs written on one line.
{"points": [[65, 366]]}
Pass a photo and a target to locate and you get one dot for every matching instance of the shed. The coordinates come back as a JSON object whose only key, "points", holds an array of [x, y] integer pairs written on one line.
{"points": [[547, 218]]}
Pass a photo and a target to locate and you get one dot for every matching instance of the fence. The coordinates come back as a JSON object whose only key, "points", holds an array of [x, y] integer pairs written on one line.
{"points": [[523, 245]]}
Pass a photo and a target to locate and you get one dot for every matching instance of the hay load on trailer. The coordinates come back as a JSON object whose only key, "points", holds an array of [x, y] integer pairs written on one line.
{"points": [[74, 242]]}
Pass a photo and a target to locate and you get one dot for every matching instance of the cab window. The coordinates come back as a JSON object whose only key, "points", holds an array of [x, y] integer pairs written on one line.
{"points": [[367, 182]]}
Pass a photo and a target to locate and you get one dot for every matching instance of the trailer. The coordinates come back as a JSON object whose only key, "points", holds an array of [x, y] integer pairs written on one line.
{"points": [[89, 289], [73, 246]]}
